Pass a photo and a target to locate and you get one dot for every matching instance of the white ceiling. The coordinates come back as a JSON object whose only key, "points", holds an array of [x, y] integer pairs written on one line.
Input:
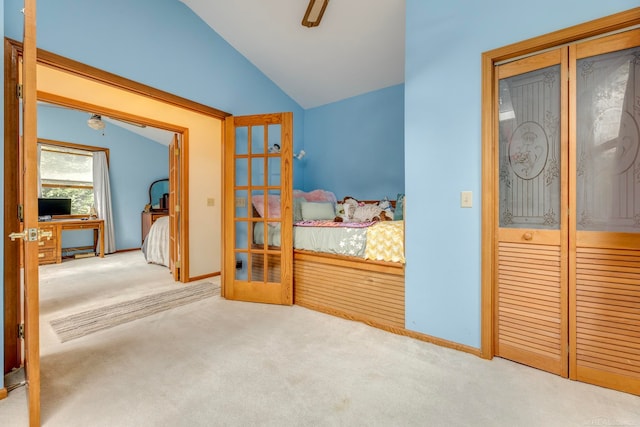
{"points": [[357, 48]]}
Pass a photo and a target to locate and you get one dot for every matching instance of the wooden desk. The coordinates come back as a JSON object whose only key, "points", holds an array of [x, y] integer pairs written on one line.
{"points": [[51, 249]]}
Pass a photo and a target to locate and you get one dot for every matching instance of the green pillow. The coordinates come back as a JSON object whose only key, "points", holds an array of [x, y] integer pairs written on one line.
{"points": [[318, 210], [398, 212]]}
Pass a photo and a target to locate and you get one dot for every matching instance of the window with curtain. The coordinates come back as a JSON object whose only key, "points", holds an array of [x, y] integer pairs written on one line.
{"points": [[67, 172]]}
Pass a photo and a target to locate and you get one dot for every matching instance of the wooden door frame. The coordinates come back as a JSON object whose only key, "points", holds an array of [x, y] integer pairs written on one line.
{"points": [[598, 27], [12, 53]]}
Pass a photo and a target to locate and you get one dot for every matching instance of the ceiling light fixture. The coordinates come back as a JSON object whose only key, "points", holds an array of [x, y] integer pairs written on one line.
{"points": [[314, 13], [95, 122]]}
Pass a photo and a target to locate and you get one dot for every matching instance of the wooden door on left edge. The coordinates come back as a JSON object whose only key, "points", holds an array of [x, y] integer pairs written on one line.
{"points": [[258, 216], [30, 233]]}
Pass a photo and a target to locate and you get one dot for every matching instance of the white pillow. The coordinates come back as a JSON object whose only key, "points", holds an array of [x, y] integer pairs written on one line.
{"points": [[318, 210]]}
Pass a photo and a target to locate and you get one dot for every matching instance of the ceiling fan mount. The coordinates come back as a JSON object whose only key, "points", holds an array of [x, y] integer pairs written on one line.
{"points": [[314, 13]]}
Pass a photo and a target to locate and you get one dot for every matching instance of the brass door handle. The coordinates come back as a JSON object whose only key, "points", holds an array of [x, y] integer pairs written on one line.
{"points": [[527, 236]]}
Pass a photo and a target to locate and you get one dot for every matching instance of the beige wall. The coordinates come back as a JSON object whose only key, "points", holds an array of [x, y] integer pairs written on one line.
{"points": [[204, 155]]}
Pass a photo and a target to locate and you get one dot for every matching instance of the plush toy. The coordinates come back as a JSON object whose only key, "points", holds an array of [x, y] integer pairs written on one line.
{"points": [[355, 211]]}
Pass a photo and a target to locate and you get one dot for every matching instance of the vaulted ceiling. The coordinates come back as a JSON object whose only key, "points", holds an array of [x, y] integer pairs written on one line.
{"points": [[357, 48]]}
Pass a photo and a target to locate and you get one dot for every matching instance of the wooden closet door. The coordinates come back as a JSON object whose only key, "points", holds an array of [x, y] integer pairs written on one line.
{"points": [[531, 272], [605, 212]]}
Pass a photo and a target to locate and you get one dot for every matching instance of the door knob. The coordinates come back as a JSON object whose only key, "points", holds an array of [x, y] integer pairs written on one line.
{"points": [[28, 235], [527, 236], [18, 235]]}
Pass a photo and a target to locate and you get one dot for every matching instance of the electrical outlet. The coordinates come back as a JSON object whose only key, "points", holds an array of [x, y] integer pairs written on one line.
{"points": [[466, 199], [211, 201]]}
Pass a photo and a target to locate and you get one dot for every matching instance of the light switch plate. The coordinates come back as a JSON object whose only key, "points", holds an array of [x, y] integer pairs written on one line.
{"points": [[211, 201], [466, 199]]}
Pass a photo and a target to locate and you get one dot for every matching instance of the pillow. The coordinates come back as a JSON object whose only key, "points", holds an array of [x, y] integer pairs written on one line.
{"points": [[316, 196], [398, 213], [317, 210], [297, 209], [274, 205]]}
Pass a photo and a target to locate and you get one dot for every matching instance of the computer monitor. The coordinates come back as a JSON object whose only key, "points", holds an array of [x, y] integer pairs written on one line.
{"points": [[57, 206]]}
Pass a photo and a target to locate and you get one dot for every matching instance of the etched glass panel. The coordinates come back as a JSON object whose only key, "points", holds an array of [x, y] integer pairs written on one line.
{"points": [[529, 136], [608, 169]]}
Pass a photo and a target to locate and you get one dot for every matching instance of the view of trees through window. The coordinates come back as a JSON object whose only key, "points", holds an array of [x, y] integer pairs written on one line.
{"points": [[67, 173]]}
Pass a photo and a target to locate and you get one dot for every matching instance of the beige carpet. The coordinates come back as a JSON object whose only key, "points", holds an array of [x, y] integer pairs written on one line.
{"points": [[78, 325], [215, 362]]}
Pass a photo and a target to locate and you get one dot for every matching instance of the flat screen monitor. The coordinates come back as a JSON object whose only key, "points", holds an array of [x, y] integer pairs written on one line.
{"points": [[54, 207]]}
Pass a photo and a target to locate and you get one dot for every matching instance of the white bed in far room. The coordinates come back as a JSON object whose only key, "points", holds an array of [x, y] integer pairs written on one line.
{"points": [[156, 245]]}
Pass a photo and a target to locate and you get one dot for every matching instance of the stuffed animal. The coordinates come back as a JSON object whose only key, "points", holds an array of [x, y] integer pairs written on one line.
{"points": [[355, 211]]}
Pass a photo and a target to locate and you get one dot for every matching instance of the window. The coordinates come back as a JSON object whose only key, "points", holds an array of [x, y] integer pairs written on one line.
{"points": [[66, 171]]}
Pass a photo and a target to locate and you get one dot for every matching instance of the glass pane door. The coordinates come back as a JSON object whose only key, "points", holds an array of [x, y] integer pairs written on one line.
{"points": [[258, 191]]}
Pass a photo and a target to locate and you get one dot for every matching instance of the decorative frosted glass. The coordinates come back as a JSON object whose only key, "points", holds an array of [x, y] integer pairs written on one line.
{"points": [[529, 136], [608, 168]]}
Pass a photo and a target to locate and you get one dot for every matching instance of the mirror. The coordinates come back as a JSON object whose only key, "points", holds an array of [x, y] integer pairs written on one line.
{"points": [[159, 195]]}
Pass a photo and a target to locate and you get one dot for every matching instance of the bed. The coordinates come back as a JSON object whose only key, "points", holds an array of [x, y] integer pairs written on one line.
{"points": [[156, 244], [352, 270]]}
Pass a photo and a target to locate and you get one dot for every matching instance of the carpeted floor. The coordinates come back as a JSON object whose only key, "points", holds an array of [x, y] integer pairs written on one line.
{"points": [[86, 322], [223, 363]]}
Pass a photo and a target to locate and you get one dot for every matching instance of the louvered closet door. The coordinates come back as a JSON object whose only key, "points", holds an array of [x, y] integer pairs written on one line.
{"points": [[531, 295], [605, 271]]}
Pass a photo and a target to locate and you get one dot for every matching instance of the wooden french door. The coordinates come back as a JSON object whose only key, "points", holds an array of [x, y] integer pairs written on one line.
{"points": [[258, 215], [568, 228]]}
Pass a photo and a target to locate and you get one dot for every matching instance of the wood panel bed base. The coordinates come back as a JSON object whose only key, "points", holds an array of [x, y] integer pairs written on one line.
{"points": [[367, 291]]}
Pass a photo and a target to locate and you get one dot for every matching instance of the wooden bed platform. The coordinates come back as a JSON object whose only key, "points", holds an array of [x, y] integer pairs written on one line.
{"points": [[367, 291]]}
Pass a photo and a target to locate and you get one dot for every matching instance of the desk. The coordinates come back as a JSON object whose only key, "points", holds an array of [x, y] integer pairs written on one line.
{"points": [[51, 249]]}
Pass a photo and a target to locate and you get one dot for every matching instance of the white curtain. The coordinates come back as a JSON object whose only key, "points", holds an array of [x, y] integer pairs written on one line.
{"points": [[102, 199]]}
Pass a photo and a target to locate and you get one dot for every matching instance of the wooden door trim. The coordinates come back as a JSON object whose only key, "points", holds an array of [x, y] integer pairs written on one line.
{"points": [[615, 22], [95, 74], [12, 348]]}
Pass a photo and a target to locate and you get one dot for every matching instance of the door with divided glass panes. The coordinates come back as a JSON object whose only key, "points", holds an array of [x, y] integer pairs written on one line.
{"points": [[258, 218]]}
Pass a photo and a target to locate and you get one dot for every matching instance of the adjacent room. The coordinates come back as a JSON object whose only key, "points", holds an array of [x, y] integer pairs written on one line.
{"points": [[434, 214]]}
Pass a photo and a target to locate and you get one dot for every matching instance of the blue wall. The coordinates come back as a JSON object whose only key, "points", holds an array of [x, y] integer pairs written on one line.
{"points": [[163, 44], [355, 147], [444, 43], [134, 163]]}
